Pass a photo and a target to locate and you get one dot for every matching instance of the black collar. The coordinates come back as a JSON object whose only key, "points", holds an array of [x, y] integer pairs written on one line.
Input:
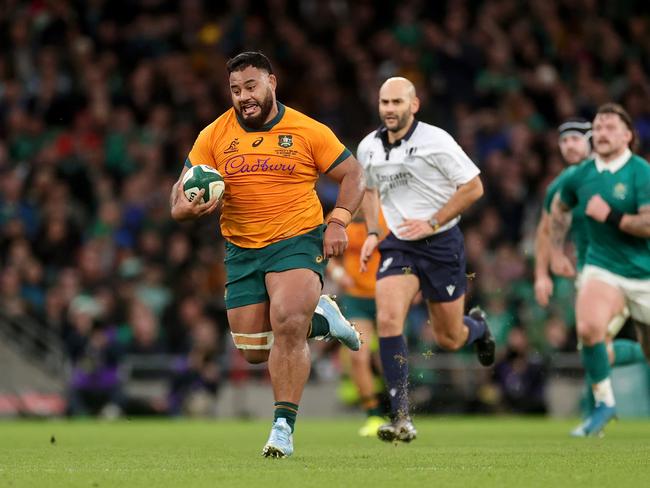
{"points": [[382, 133]]}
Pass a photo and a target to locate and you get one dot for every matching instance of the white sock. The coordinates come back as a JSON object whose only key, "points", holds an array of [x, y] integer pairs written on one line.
{"points": [[603, 392]]}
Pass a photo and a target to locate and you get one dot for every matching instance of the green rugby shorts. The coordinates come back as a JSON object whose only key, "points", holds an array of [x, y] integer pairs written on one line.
{"points": [[246, 268]]}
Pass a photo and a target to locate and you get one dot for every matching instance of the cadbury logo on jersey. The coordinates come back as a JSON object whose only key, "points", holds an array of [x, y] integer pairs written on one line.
{"points": [[238, 165]]}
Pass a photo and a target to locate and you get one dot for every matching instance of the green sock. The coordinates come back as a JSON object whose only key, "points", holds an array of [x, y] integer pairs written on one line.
{"points": [[596, 362], [374, 412], [627, 352], [588, 402], [319, 326], [287, 411], [371, 406]]}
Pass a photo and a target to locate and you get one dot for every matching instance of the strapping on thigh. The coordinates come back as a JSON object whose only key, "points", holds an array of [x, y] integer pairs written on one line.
{"points": [[258, 341]]}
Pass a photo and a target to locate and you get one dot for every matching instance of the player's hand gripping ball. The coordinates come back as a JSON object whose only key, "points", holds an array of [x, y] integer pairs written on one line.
{"points": [[203, 177]]}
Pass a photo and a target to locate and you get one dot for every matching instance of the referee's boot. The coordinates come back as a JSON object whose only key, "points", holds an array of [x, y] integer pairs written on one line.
{"points": [[485, 346], [400, 429]]}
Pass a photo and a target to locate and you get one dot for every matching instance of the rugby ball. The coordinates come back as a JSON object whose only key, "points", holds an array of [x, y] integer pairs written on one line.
{"points": [[203, 177]]}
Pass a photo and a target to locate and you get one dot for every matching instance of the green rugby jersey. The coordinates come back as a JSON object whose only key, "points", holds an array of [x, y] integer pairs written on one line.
{"points": [[578, 233], [626, 190]]}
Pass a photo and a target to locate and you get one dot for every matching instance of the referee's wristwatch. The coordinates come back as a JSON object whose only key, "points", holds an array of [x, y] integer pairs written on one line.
{"points": [[433, 222]]}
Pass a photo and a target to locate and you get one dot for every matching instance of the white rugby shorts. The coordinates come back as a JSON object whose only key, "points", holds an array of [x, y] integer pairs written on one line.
{"points": [[636, 292]]}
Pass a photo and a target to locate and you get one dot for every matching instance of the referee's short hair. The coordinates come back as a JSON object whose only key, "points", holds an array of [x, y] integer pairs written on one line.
{"points": [[615, 108], [249, 58]]}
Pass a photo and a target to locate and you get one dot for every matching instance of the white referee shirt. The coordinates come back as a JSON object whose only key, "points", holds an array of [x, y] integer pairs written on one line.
{"points": [[417, 175]]}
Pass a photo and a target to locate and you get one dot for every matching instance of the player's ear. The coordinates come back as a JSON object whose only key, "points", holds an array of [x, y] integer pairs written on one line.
{"points": [[273, 81], [415, 105], [629, 137]]}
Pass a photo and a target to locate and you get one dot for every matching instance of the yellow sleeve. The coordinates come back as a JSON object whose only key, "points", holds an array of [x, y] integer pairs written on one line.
{"points": [[201, 152], [327, 151]]}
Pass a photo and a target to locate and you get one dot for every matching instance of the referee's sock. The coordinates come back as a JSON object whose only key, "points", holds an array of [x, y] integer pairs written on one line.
{"points": [[394, 361], [476, 329]]}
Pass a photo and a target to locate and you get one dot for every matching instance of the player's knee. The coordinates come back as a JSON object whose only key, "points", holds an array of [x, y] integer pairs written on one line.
{"points": [[255, 356], [389, 324], [448, 340], [591, 332], [290, 326]]}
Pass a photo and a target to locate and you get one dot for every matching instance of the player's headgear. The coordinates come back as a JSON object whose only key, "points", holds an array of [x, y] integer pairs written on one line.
{"points": [[576, 125], [249, 58]]}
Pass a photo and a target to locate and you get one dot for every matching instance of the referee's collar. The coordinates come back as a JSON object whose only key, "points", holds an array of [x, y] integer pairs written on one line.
{"points": [[382, 133]]}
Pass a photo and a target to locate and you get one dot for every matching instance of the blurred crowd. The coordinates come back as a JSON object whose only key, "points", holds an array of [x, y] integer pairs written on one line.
{"points": [[100, 104]]}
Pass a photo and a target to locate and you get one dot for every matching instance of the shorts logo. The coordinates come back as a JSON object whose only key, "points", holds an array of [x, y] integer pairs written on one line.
{"points": [[257, 141], [232, 147], [319, 259], [285, 141], [450, 289], [384, 266]]}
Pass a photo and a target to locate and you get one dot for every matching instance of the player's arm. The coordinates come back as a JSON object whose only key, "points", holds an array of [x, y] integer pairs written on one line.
{"points": [[635, 224], [370, 209], [465, 195], [182, 209], [349, 175], [543, 281], [559, 227]]}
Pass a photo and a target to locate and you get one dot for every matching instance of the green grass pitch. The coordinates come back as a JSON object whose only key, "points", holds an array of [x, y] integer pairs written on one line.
{"points": [[450, 451]]}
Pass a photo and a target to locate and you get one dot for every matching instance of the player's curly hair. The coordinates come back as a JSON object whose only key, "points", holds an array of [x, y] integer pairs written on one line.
{"points": [[249, 58], [615, 108]]}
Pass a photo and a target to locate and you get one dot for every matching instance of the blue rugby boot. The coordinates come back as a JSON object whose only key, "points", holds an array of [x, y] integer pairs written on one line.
{"points": [[340, 327], [596, 422], [280, 443], [485, 346]]}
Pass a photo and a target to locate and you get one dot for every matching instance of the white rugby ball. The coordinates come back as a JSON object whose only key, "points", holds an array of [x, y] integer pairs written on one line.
{"points": [[203, 177]]}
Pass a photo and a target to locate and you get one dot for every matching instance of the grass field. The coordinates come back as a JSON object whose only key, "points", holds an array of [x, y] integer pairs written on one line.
{"points": [[458, 451]]}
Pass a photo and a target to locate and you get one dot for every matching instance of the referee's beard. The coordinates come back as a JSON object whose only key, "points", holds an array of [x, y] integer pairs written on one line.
{"points": [[401, 123]]}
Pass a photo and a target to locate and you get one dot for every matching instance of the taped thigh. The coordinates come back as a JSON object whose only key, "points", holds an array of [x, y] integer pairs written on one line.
{"points": [[616, 324], [258, 341]]}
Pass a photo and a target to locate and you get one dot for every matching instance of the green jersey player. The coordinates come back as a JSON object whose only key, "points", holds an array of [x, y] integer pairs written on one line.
{"points": [[575, 146], [614, 189]]}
